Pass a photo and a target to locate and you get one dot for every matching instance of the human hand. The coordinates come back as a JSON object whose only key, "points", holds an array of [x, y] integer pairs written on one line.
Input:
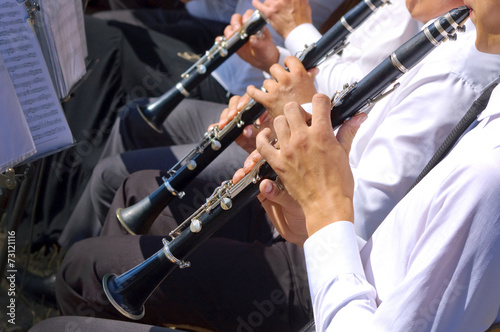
{"points": [[260, 50], [247, 139], [313, 162], [296, 85], [285, 15], [283, 211]]}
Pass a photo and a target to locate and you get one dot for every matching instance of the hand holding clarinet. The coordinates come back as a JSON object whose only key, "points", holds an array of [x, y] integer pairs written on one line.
{"points": [[312, 165]]}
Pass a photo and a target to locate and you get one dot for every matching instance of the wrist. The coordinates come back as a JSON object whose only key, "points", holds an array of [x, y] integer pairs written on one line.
{"points": [[322, 215]]}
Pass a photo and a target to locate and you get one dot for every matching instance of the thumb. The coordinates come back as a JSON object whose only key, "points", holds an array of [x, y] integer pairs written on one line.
{"points": [[313, 72], [269, 190], [348, 130]]}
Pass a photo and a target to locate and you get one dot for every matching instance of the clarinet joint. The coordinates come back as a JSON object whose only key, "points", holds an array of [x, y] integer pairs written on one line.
{"points": [[221, 197], [166, 250]]}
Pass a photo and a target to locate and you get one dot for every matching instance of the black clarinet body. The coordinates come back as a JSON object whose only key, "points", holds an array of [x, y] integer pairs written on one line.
{"points": [[138, 218], [156, 113], [230, 198]]}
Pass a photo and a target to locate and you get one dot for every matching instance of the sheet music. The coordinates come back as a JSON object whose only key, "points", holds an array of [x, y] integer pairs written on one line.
{"points": [[15, 136], [81, 27], [60, 27], [25, 63]]}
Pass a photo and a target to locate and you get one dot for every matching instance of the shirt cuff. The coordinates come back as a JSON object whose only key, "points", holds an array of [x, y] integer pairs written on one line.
{"points": [[298, 38], [330, 252]]}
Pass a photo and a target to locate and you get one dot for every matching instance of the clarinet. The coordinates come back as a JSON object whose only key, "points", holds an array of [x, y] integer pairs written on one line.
{"points": [[137, 219], [129, 291], [155, 113]]}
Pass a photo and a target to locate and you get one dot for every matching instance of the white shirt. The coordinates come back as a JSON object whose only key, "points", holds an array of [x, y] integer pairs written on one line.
{"points": [[235, 74], [383, 32], [405, 129], [433, 264]]}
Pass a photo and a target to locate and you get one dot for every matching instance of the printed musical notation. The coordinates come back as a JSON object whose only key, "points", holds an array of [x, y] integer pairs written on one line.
{"points": [[14, 127], [58, 27], [31, 81]]}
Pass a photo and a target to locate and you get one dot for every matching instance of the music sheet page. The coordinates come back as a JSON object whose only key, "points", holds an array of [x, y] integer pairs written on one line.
{"points": [[25, 63], [65, 37], [15, 136]]}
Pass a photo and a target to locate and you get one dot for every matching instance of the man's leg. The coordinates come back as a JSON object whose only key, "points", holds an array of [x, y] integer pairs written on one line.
{"points": [[230, 286], [199, 34], [251, 224], [86, 324], [186, 125]]}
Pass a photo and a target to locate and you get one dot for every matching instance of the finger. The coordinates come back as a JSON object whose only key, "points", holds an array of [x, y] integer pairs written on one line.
{"points": [[223, 118], [270, 86], [236, 21], [313, 72], [251, 41], [278, 72], [247, 15], [262, 139], [238, 175], [233, 101], [274, 214], [228, 32], [256, 94], [261, 7], [265, 149], [293, 63], [232, 108], [261, 35], [348, 130], [249, 131], [251, 161], [265, 120], [321, 112], [270, 190], [243, 101], [255, 156], [282, 129], [295, 116]]}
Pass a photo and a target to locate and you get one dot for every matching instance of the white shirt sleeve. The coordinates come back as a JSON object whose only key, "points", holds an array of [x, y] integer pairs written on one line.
{"points": [[303, 35], [433, 261], [339, 290]]}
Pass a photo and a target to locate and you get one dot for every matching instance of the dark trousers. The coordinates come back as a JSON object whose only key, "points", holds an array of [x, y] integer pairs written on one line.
{"points": [[86, 324], [230, 286], [182, 130], [199, 34]]}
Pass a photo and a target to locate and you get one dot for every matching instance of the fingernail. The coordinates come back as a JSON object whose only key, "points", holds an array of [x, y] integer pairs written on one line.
{"points": [[248, 132], [268, 188], [247, 163], [240, 105]]}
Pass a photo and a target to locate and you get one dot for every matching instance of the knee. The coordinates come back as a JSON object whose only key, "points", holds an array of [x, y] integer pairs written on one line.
{"points": [[68, 285], [106, 178], [78, 286]]}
